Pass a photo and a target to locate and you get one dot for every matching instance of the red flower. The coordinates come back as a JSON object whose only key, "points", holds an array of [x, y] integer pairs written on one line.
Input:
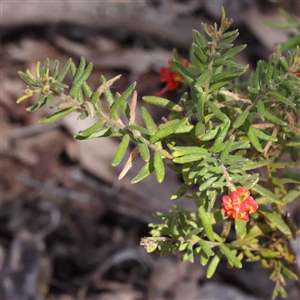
{"points": [[239, 204], [298, 75], [171, 78]]}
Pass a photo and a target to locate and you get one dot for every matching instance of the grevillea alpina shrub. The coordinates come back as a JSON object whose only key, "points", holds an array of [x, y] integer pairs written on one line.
{"points": [[220, 137]]}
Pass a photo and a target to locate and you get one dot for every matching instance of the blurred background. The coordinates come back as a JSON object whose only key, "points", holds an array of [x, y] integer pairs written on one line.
{"points": [[69, 229]]}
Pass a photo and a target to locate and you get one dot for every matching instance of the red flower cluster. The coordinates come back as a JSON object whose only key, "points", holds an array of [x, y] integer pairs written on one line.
{"points": [[171, 78], [239, 204]]}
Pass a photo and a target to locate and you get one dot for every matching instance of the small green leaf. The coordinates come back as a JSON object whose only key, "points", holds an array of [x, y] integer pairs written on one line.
{"points": [[253, 139], [145, 171], [61, 75], [288, 273], [291, 196], [231, 256], [58, 115], [184, 72], [227, 149], [137, 128], [121, 101], [240, 228], [208, 183], [270, 117], [276, 220], [213, 265], [121, 150], [163, 103], [27, 79], [266, 193], [183, 189], [55, 69], [159, 167], [261, 109], [167, 130], [217, 111], [203, 78], [80, 70], [150, 124], [218, 145], [189, 158], [270, 70], [144, 151], [184, 150], [262, 136], [78, 84], [281, 98], [91, 129], [199, 40], [205, 247], [241, 119], [232, 52], [206, 222]]}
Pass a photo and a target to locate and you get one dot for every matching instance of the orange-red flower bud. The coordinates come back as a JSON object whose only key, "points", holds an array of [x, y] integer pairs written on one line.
{"points": [[239, 204]]}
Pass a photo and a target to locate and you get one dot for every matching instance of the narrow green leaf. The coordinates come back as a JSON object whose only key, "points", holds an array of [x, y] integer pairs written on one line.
{"points": [[231, 256], [45, 67], [27, 79], [159, 167], [121, 150], [61, 75], [252, 90], [227, 149], [183, 189], [55, 69], [208, 183], [241, 119], [205, 247], [91, 129], [121, 101], [291, 196], [276, 220], [204, 216], [253, 139], [199, 40], [217, 111], [288, 273], [167, 130], [240, 228], [255, 165], [262, 136], [58, 115], [266, 193], [78, 84], [232, 52], [270, 117], [163, 103], [219, 140], [150, 124], [189, 158], [87, 90], [203, 78], [281, 98], [184, 150], [261, 109], [137, 128], [144, 151], [145, 171], [80, 70], [189, 77], [211, 133], [213, 265], [270, 70]]}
